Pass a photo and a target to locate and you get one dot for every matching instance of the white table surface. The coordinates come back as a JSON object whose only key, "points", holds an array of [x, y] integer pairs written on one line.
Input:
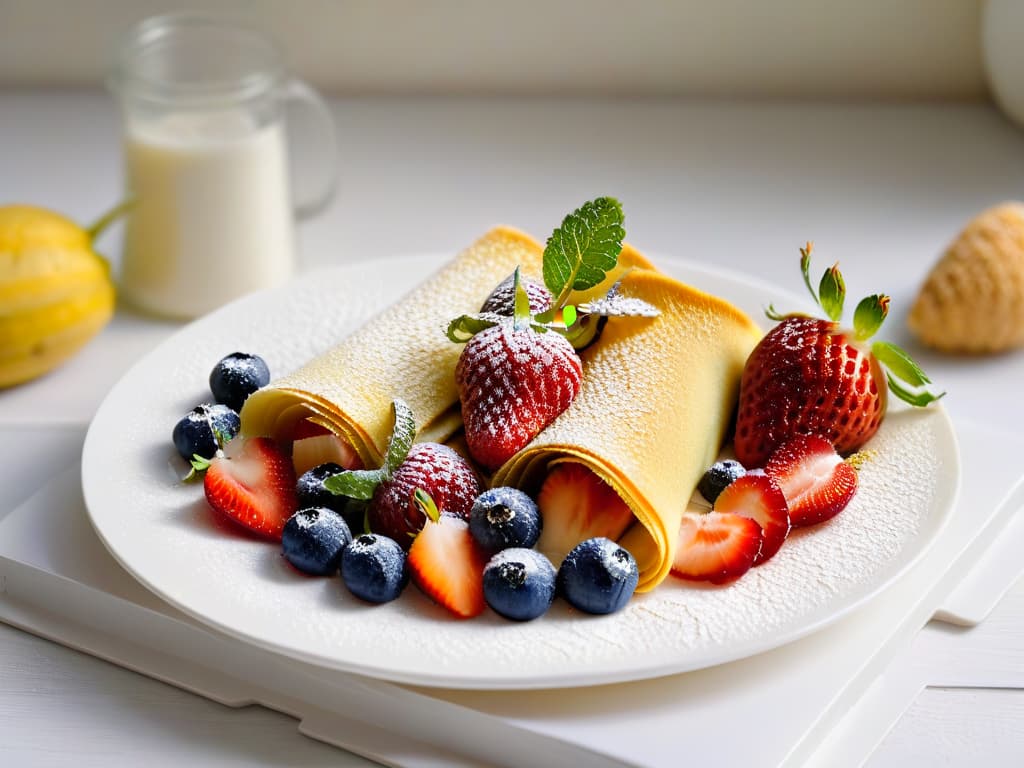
{"points": [[882, 188]]}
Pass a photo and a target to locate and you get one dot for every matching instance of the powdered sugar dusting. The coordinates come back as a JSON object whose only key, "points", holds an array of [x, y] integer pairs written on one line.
{"points": [[656, 399], [245, 587], [401, 351]]}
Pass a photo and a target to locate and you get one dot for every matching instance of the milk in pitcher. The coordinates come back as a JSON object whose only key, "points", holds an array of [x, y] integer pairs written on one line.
{"points": [[212, 212]]}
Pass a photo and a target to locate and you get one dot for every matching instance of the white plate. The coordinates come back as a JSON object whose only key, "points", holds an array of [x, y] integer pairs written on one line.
{"points": [[162, 532]]}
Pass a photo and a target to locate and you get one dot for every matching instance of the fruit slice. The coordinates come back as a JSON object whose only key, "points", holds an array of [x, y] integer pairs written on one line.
{"points": [[759, 498], [576, 505], [716, 546], [310, 452], [252, 483], [446, 563], [815, 480]]}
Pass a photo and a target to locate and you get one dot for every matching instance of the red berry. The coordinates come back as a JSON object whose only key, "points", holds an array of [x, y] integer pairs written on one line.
{"points": [[815, 480], [759, 498], [502, 300], [576, 505], [512, 383], [806, 377], [253, 485], [447, 564], [716, 547], [437, 469]]}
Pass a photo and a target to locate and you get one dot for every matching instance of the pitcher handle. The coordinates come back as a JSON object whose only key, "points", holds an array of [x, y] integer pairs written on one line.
{"points": [[302, 95]]}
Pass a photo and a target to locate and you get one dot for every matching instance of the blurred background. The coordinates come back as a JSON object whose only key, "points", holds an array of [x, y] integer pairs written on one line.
{"points": [[839, 49]]}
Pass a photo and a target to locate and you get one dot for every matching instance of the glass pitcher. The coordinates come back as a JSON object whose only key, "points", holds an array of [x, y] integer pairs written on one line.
{"points": [[204, 106]]}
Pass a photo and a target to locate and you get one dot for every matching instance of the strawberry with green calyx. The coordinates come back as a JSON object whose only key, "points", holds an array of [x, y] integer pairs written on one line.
{"points": [[387, 490], [517, 374], [808, 376]]}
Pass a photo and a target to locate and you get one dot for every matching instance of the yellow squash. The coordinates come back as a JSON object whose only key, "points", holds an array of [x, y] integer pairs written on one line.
{"points": [[56, 292]]}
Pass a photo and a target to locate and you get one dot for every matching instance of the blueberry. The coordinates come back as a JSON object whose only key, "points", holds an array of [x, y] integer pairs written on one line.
{"points": [[504, 517], [598, 576], [313, 539], [373, 568], [197, 432], [719, 477], [236, 377], [311, 492], [519, 583]]}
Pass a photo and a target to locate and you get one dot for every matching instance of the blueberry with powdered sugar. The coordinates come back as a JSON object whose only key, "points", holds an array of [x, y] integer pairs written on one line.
{"points": [[519, 583], [237, 376], [719, 476], [503, 518], [374, 569], [313, 540], [204, 429], [598, 576]]}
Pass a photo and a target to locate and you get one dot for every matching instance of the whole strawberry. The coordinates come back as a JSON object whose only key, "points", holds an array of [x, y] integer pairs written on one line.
{"points": [[809, 376], [513, 381], [520, 369], [434, 468]]}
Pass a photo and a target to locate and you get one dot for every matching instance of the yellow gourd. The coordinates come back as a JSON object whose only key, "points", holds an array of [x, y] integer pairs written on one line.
{"points": [[56, 292]]}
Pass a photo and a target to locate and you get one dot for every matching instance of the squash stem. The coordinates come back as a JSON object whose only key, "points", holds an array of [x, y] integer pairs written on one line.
{"points": [[109, 218]]}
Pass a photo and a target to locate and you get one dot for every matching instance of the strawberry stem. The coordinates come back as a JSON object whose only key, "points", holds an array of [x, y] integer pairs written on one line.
{"points": [[426, 504], [521, 318], [832, 292], [805, 268], [869, 316]]}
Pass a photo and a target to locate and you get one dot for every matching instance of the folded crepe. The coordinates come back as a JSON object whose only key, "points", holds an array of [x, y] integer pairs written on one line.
{"points": [[656, 400], [403, 352]]}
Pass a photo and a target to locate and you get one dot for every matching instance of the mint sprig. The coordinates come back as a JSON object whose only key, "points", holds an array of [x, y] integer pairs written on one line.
{"points": [[584, 248], [578, 256], [361, 483]]}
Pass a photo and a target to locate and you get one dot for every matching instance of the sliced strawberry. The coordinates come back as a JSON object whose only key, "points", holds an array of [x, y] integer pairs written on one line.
{"points": [[815, 480], [575, 505], [253, 484], [716, 546], [306, 428], [448, 565], [759, 498], [309, 452]]}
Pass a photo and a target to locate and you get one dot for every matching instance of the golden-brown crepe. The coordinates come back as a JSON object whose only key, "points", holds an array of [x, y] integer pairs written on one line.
{"points": [[403, 352], [656, 400]]}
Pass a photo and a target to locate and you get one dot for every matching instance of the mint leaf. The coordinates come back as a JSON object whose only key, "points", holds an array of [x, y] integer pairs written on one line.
{"points": [[355, 483], [402, 436], [581, 251]]}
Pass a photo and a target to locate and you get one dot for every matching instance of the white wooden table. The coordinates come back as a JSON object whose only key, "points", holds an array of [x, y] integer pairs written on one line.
{"points": [[881, 188]]}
